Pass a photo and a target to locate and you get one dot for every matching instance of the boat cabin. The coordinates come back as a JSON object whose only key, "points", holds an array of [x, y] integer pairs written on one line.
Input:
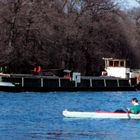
{"points": [[117, 67]]}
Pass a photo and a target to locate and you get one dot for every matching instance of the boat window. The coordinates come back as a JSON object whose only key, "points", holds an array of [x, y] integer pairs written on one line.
{"points": [[110, 63], [116, 63], [121, 63]]}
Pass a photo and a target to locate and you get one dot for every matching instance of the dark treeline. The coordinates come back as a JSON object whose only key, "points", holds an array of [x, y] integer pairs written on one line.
{"points": [[67, 34]]}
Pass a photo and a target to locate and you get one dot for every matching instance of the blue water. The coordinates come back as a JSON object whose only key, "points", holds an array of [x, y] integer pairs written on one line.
{"points": [[38, 116]]}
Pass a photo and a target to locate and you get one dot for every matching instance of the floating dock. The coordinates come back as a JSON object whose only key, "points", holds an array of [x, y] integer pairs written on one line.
{"points": [[36, 83]]}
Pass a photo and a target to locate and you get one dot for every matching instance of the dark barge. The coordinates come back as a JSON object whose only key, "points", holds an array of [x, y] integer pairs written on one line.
{"points": [[37, 83]]}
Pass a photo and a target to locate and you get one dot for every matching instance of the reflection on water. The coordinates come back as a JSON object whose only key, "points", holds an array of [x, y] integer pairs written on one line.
{"points": [[78, 135], [31, 116]]}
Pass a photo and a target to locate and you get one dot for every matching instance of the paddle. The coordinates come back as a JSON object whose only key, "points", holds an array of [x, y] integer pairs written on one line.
{"points": [[128, 112]]}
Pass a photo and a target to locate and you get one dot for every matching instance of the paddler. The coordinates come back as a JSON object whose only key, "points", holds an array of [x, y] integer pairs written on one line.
{"points": [[136, 107]]}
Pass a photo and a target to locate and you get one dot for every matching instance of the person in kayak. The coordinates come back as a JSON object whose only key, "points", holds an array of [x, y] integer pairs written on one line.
{"points": [[136, 107]]}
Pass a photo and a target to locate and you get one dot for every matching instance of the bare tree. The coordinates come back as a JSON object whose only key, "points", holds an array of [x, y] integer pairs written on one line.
{"points": [[72, 34]]}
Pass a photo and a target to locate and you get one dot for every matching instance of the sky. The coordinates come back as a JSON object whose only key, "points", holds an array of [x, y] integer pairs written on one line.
{"points": [[132, 3], [128, 4]]}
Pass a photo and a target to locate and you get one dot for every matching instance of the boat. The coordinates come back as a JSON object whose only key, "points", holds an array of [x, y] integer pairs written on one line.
{"points": [[6, 84], [100, 115]]}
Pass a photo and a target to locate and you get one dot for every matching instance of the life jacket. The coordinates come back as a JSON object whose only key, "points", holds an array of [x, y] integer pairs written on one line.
{"points": [[37, 69]]}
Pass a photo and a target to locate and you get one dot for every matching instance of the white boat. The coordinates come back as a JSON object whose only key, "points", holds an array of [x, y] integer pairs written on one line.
{"points": [[6, 84], [100, 115]]}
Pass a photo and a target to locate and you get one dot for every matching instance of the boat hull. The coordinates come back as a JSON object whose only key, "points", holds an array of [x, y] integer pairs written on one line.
{"points": [[6, 84], [100, 115]]}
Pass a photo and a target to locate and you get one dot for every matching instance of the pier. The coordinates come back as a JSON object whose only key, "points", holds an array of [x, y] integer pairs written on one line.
{"points": [[26, 82]]}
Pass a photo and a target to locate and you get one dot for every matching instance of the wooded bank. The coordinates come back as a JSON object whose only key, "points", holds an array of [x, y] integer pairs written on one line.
{"points": [[67, 34]]}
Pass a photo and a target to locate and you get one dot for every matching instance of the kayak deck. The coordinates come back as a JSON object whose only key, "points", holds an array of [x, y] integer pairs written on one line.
{"points": [[101, 115]]}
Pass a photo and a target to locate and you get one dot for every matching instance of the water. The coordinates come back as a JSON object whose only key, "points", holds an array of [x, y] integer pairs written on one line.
{"points": [[38, 116]]}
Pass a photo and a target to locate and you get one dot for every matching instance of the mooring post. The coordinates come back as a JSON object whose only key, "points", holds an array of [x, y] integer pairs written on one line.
{"points": [[104, 82], [22, 81], [42, 80], [118, 84], [59, 82], [75, 83], [90, 82]]}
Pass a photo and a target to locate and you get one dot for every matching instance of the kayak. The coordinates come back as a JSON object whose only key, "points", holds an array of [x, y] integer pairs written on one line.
{"points": [[100, 115]]}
